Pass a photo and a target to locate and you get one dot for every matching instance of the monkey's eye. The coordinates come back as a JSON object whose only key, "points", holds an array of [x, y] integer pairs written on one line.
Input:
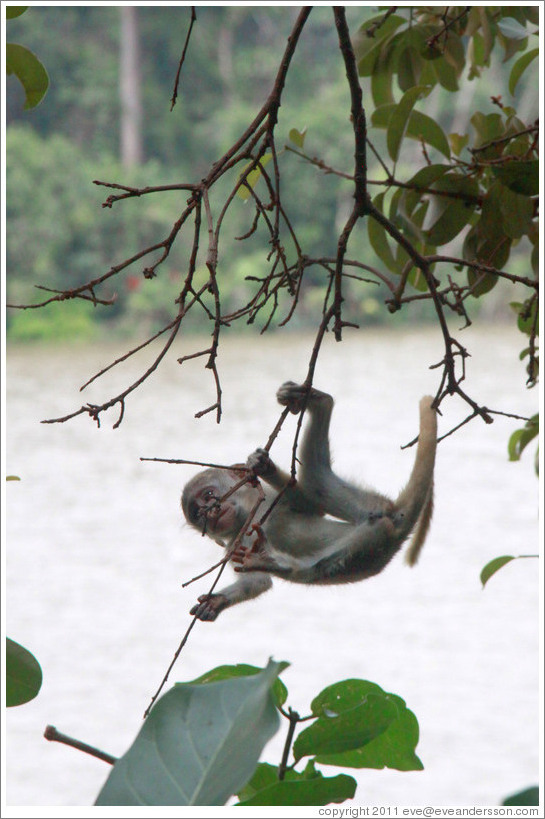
{"points": [[209, 495]]}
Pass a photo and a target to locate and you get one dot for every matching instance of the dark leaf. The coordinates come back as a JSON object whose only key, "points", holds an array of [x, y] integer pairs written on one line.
{"points": [[29, 71], [296, 789], [23, 674], [530, 796], [494, 566], [520, 177]]}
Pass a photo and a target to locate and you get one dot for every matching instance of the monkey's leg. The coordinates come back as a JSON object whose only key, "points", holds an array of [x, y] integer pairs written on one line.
{"points": [[326, 492]]}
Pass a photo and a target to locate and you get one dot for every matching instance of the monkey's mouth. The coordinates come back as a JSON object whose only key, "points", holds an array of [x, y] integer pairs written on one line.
{"points": [[222, 520]]}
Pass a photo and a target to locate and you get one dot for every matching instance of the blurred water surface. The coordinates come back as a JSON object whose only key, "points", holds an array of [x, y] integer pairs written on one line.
{"points": [[98, 552]]}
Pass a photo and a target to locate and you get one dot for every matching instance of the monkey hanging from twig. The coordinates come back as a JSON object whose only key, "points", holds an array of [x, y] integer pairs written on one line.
{"points": [[296, 541]]}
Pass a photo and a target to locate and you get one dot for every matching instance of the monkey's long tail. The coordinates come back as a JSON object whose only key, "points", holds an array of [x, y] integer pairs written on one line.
{"points": [[416, 500], [420, 533]]}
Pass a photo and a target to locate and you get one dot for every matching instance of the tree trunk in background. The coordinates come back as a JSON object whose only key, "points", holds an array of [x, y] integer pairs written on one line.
{"points": [[130, 89]]}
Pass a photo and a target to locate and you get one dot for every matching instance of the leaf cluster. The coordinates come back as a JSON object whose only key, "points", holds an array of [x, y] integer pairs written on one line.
{"points": [[484, 188], [202, 740]]}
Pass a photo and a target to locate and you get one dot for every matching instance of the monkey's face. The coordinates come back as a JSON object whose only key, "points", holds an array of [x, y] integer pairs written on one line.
{"points": [[205, 509]]}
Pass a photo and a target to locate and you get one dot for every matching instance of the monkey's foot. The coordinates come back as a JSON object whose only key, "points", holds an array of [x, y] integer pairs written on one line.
{"points": [[209, 606], [292, 396]]}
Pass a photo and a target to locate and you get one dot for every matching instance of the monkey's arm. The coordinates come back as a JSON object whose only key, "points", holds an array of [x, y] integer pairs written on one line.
{"points": [[244, 588], [262, 465]]}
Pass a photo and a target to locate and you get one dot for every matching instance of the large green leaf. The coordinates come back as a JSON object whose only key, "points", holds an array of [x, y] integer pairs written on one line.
{"points": [[393, 748], [23, 674], [200, 744], [309, 787], [349, 715], [30, 72], [228, 672], [335, 733]]}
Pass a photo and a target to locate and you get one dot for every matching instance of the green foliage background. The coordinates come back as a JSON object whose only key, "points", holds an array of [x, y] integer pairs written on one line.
{"points": [[58, 236]]}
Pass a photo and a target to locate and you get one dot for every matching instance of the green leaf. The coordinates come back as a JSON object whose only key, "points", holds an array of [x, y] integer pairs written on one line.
{"points": [[520, 439], [409, 68], [23, 674], [253, 177], [296, 788], [423, 127], [451, 215], [393, 748], [200, 744], [487, 242], [520, 67], [13, 478], [353, 728], [381, 81], [298, 137], [487, 127], [30, 72], [458, 142], [511, 29], [229, 672], [263, 777], [446, 74], [367, 49], [419, 126], [526, 315], [520, 177], [378, 237], [530, 796], [14, 11], [494, 566], [399, 119], [517, 212]]}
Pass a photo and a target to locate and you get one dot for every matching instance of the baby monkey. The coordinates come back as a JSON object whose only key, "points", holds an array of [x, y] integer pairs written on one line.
{"points": [[297, 542]]}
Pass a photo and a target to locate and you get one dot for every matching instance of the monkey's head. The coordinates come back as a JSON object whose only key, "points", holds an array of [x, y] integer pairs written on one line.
{"points": [[203, 505]]}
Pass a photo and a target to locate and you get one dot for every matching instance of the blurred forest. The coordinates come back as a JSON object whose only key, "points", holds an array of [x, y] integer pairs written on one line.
{"points": [[107, 119]]}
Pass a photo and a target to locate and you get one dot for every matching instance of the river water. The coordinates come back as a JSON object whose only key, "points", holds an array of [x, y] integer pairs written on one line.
{"points": [[98, 551]]}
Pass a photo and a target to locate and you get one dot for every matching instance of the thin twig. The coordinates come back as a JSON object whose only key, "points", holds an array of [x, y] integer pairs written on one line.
{"points": [[53, 735], [182, 59]]}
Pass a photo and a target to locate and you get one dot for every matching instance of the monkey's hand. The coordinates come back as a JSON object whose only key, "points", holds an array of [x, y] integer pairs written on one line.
{"points": [[293, 396], [209, 606], [262, 467], [260, 464]]}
